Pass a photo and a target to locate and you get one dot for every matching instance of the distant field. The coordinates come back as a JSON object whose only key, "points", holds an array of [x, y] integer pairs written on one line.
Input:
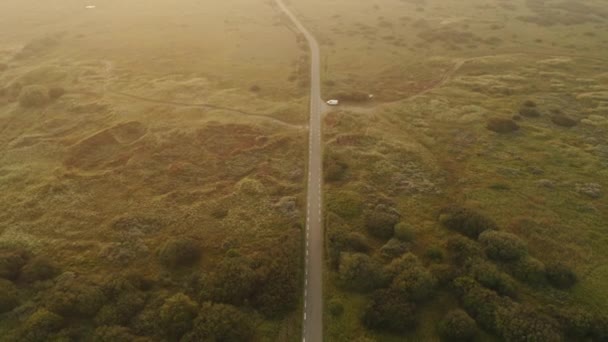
{"points": [[497, 107], [152, 162]]}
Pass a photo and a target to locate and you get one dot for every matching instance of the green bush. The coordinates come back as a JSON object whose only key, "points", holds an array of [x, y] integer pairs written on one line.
{"points": [[600, 327], [381, 224], [75, 298], [38, 269], [563, 120], [40, 326], [465, 221], [11, 262], [404, 232], [463, 250], [334, 168], [415, 283], [503, 246], [56, 92], [122, 308], [529, 270], [529, 112], [358, 272], [279, 287], [220, 322], [394, 248], [434, 253], [177, 314], [345, 204], [401, 264], [522, 323], [234, 281], [179, 252], [560, 276], [576, 323], [490, 277], [8, 296], [502, 126], [335, 307], [33, 96], [457, 325], [481, 303], [340, 239], [389, 311], [114, 333]]}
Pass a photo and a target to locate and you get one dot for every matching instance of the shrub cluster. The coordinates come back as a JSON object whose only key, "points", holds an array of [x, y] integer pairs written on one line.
{"points": [[381, 224]]}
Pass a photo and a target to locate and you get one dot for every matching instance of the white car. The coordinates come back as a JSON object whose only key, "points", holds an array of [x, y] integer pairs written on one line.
{"points": [[333, 102]]}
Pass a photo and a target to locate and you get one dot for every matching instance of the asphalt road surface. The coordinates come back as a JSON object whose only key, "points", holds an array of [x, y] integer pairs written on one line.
{"points": [[312, 327]]}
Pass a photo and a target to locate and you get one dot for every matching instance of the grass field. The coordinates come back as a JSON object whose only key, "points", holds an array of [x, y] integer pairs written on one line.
{"points": [[441, 72], [168, 127]]}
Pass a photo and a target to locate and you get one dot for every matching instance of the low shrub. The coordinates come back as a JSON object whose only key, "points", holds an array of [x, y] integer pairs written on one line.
{"points": [[465, 221], [415, 283], [8, 296], [490, 277], [457, 325], [393, 248], [529, 270], [560, 276], [11, 262], [404, 232], [529, 112], [463, 250], [75, 298], [220, 322], [41, 325], [381, 224], [502, 126], [434, 253], [56, 92], [576, 322], [178, 252], [481, 303], [563, 120], [177, 314], [335, 307], [114, 333], [38, 269], [389, 311], [523, 323], [503, 246], [358, 272], [34, 96]]}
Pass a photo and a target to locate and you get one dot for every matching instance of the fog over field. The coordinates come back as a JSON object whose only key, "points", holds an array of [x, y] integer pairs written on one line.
{"points": [[304, 170]]}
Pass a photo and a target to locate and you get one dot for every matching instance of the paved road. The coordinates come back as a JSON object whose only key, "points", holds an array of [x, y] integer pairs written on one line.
{"points": [[312, 330]]}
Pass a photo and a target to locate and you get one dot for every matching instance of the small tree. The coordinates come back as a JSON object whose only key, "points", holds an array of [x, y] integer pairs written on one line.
{"points": [[41, 325], [523, 323], [415, 283], [457, 325], [8, 296]]}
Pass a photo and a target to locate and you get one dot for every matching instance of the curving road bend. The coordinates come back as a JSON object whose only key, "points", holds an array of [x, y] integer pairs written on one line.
{"points": [[312, 327]]}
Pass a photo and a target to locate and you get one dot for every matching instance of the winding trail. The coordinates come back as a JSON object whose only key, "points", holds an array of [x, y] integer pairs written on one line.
{"points": [[312, 324]]}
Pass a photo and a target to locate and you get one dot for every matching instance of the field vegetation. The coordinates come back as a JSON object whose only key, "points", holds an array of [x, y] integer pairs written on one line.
{"points": [[475, 179], [152, 169]]}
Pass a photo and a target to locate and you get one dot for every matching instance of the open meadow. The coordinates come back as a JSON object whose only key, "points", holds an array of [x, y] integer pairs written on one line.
{"points": [[152, 161], [467, 199]]}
